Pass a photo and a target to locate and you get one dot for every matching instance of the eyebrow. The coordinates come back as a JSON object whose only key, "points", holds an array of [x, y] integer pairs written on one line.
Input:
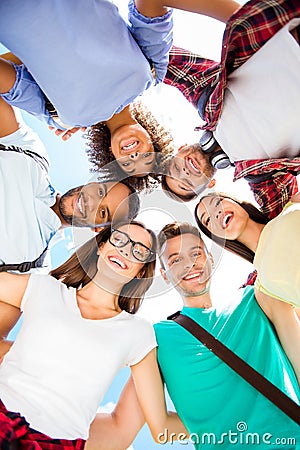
{"points": [[201, 217], [108, 214], [107, 210], [172, 254], [105, 189]]}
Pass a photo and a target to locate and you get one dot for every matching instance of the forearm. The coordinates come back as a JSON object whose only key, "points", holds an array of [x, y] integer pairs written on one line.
{"points": [[117, 430], [150, 392], [150, 8], [9, 120], [4, 348], [172, 430], [218, 9], [287, 324], [7, 76]]}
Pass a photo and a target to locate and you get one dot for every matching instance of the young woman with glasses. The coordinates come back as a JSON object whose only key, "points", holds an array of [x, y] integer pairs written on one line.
{"points": [[78, 330]]}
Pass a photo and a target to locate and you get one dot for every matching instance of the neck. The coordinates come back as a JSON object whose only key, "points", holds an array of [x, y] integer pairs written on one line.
{"points": [[251, 234], [122, 118], [55, 208], [198, 301], [99, 296]]}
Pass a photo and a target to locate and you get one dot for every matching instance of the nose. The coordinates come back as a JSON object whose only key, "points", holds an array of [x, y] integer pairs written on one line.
{"points": [[134, 155], [189, 263], [185, 171], [126, 251]]}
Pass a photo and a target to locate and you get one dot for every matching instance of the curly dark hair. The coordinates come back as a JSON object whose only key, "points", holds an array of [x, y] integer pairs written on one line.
{"points": [[98, 139]]}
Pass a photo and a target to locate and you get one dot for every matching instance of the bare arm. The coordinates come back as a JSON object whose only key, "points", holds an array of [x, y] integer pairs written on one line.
{"points": [[9, 119], [9, 317], [150, 392], [117, 430], [296, 198], [12, 288], [218, 9], [7, 76], [287, 324]]}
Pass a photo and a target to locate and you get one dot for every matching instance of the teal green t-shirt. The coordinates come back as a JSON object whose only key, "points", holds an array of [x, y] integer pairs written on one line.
{"points": [[216, 405]]}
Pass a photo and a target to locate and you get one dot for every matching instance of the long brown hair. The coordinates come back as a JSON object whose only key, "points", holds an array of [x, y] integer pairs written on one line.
{"points": [[98, 139], [234, 246], [81, 267]]}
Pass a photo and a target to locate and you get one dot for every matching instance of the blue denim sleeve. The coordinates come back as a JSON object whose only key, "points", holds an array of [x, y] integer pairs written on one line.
{"points": [[154, 37], [27, 95]]}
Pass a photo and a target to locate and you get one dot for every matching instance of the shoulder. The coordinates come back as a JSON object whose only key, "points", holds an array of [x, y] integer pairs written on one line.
{"points": [[165, 327], [45, 281], [27, 140], [139, 324]]}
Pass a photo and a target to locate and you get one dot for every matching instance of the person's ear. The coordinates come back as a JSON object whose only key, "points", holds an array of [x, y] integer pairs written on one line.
{"points": [[96, 229], [181, 147], [212, 183], [100, 248], [211, 258], [164, 275]]}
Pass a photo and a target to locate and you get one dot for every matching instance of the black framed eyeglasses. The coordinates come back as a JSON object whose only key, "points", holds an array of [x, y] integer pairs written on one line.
{"points": [[139, 251]]}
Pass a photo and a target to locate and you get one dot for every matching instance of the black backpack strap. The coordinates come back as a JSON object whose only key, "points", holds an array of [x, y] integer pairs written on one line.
{"points": [[258, 381], [27, 265]]}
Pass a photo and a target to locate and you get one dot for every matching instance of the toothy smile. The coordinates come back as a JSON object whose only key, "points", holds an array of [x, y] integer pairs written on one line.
{"points": [[193, 166], [191, 276], [130, 145], [81, 205], [116, 261], [225, 219]]}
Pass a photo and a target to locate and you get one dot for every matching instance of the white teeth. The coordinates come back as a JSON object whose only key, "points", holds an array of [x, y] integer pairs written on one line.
{"points": [[130, 146], [226, 219], [194, 275], [117, 261], [190, 162], [80, 206]]}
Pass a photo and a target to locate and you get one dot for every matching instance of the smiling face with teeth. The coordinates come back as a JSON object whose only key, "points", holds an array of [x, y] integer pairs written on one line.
{"points": [[223, 217], [119, 264], [190, 172], [187, 265], [133, 150], [95, 204]]}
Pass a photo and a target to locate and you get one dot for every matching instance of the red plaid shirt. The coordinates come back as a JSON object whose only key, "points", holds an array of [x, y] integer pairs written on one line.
{"points": [[15, 429], [246, 32]]}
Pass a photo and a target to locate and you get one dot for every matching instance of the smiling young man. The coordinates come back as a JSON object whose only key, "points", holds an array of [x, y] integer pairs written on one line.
{"points": [[32, 210], [251, 114], [210, 398], [189, 173]]}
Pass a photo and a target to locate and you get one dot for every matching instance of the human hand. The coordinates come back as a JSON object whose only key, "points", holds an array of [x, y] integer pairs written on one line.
{"points": [[296, 198], [66, 134]]}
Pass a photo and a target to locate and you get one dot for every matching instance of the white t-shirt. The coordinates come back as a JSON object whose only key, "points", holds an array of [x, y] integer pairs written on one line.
{"points": [[26, 195], [260, 116], [61, 364]]}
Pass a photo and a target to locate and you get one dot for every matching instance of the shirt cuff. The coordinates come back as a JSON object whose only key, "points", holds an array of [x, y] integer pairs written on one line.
{"points": [[133, 12]]}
